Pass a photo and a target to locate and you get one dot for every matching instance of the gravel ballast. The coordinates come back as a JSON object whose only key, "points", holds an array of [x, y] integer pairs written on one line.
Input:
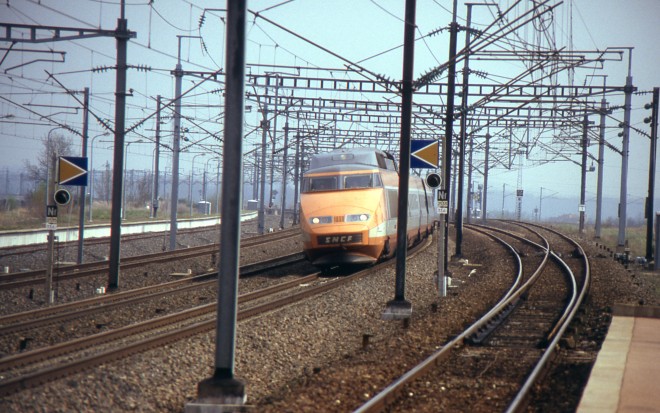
{"points": [[310, 356]]}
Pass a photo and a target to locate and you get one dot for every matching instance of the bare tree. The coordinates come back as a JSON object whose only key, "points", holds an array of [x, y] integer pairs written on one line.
{"points": [[143, 192], [58, 145]]}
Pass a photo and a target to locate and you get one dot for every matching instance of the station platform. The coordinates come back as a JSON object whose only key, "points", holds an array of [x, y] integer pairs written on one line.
{"points": [[626, 376]]}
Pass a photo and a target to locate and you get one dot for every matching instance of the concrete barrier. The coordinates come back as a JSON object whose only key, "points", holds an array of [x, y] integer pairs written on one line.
{"points": [[38, 236]]}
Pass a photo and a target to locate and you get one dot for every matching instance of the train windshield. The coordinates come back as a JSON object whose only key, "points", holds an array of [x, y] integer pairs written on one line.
{"points": [[321, 183], [359, 181], [340, 182]]}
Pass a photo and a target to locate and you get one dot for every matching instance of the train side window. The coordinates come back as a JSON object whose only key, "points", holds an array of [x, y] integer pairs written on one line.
{"points": [[377, 182], [393, 202], [422, 202], [381, 161], [413, 204]]}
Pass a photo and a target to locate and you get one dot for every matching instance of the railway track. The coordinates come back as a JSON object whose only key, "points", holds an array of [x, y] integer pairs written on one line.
{"points": [[19, 322], [28, 369], [515, 340], [69, 272]]}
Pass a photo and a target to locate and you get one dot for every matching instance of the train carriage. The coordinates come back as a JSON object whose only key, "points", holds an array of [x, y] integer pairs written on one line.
{"points": [[349, 207]]}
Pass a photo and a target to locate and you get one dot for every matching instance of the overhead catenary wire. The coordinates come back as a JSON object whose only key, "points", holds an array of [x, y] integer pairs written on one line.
{"points": [[505, 43]]}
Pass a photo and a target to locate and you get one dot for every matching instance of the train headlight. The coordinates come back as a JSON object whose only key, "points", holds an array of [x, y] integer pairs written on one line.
{"points": [[357, 218], [321, 220]]}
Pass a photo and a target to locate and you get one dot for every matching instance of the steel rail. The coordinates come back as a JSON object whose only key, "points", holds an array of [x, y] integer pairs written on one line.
{"points": [[116, 334], [45, 316], [555, 334], [518, 404], [23, 279], [6, 278], [51, 373], [390, 393]]}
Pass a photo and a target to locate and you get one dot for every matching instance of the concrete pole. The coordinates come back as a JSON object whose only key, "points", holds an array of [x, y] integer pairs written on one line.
{"points": [[601, 160], [255, 176], [462, 144], [217, 189], [399, 307], [155, 201], [223, 388], [469, 204], [272, 151], [404, 160], [284, 169], [296, 177], [540, 204], [190, 194], [122, 35], [583, 180], [503, 196], [262, 184], [449, 128], [82, 189], [484, 209], [204, 185], [176, 151], [623, 195], [652, 157], [50, 185]]}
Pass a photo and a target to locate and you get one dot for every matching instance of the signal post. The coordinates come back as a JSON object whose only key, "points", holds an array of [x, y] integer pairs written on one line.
{"points": [[443, 210]]}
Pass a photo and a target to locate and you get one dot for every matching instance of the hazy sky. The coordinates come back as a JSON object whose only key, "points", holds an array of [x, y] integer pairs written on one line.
{"points": [[366, 32]]}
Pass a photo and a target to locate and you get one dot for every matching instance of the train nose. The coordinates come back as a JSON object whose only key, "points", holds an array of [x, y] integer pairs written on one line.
{"points": [[340, 239]]}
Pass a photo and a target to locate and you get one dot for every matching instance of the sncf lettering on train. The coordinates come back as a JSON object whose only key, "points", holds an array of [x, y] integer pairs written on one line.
{"points": [[339, 239]]}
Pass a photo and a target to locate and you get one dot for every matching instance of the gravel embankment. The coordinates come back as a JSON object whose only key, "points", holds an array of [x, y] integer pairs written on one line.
{"points": [[309, 356], [19, 299]]}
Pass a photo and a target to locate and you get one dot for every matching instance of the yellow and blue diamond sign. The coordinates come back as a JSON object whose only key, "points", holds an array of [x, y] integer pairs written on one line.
{"points": [[424, 153], [72, 171]]}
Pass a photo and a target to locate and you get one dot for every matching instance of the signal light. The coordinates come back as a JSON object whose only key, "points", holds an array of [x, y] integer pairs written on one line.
{"points": [[62, 197], [433, 180]]}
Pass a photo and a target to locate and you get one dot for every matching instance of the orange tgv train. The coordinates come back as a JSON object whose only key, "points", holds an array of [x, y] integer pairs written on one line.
{"points": [[349, 207]]}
